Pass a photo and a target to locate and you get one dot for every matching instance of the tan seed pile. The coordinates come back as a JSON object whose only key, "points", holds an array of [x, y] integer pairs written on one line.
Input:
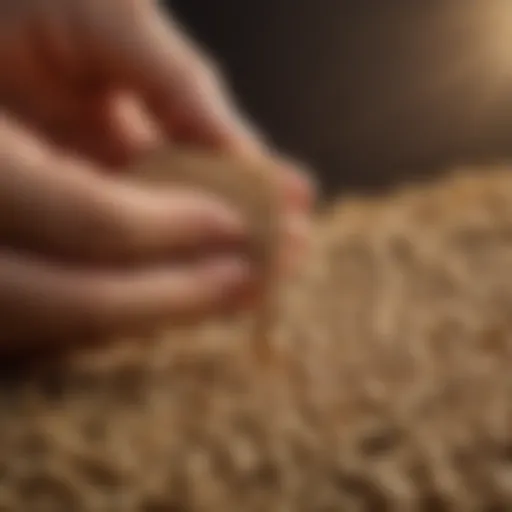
{"points": [[393, 392]]}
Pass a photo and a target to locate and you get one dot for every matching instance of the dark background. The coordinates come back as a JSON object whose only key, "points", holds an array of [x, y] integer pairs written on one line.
{"points": [[369, 92]]}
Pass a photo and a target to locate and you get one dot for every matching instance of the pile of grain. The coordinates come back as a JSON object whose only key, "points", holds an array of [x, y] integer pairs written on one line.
{"points": [[391, 386]]}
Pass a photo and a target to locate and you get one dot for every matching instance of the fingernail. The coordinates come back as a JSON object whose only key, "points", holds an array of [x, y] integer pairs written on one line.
{"points": [[301, 187]]}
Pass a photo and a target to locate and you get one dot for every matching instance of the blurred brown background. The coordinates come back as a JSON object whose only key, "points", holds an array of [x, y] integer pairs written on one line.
{"points": [[368, 92]]}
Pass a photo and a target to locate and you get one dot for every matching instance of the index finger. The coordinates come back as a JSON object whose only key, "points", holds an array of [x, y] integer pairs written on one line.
{"points": [[181, 87]]}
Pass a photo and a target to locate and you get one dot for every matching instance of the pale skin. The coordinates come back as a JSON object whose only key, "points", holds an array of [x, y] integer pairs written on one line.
{"points": [[85, 86]]}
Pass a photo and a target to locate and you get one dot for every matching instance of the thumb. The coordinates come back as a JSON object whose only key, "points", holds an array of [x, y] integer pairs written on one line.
{"points": [[179, 84]]}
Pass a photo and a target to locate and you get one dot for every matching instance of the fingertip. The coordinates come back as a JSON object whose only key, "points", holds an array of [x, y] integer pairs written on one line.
{"points": [[299, 186], [296, 180]]}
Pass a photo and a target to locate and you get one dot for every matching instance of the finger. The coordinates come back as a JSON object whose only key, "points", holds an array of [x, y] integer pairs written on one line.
{"points": [[108, 129], [153, 56], [296, 184], [42, 304], [74, 212]]}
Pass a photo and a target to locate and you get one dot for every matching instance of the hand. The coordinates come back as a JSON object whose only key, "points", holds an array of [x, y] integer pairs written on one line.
{"points": [[108, 79], [87, 255], [105, 81]]}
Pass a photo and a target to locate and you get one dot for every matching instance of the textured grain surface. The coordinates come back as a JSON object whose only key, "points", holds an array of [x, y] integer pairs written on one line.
{"points": [[394, 392]]}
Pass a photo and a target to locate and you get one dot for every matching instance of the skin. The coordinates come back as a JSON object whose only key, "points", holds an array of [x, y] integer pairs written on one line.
{"points": [[86, 86]]}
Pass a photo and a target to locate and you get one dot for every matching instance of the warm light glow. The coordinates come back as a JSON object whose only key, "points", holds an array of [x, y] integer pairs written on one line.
{"points": [[495, 19]]}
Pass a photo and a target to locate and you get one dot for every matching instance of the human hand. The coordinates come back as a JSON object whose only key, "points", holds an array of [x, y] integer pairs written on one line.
{"points": [[86, 254], [107, 80], [110, 79]]}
